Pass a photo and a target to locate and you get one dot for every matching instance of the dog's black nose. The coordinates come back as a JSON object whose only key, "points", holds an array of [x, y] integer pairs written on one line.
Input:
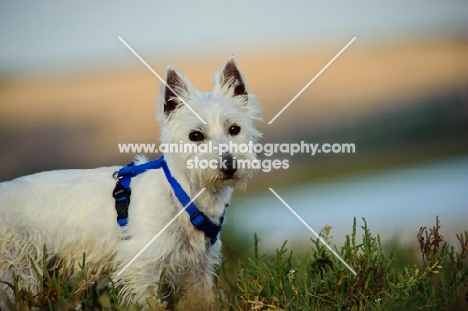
{"points": [[228, 165]]}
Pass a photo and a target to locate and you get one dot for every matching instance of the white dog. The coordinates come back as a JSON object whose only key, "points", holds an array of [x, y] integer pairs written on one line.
{"points": [[72, 212]]}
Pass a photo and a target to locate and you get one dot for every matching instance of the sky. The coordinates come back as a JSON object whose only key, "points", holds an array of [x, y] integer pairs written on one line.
{"points": [[57, 35]]}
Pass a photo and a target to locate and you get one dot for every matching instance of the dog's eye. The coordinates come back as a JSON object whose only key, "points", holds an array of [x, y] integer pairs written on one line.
{"points": [[234, 130], [196, 136]]}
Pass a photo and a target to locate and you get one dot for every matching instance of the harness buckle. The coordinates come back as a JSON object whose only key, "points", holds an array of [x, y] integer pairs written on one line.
{"points": [[199, 220], [122, 201], [120, 191]]}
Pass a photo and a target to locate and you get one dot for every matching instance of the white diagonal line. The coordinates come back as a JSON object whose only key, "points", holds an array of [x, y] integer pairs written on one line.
{"points": [[159, 233], [162, 80], [312, 230], [313, 79]]}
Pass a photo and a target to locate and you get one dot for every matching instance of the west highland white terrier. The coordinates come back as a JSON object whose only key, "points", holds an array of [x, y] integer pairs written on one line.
{"points": [[76, 212]]}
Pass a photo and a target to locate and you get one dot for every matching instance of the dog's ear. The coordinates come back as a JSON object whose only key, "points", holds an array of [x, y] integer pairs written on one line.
{"points": [[175, 90], [231, 81]]}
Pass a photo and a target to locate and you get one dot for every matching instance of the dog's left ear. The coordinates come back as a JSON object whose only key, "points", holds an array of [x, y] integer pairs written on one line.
{"points": [[230, 81]]}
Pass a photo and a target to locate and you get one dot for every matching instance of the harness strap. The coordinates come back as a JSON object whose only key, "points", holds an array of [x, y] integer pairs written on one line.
{"points": [[197, 218], [122, 194]]}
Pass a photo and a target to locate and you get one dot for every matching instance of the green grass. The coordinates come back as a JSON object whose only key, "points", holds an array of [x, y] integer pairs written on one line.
{"points": [[314, 281]]}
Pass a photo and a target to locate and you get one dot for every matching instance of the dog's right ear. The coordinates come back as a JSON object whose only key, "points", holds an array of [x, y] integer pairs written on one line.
{"points": [[176, 90]]}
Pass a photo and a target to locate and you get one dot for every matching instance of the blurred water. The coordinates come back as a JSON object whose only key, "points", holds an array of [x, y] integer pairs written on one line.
{"points": [[395, 203]]}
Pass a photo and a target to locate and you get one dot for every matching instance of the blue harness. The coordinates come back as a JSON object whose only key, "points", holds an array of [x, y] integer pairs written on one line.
{"points": [[122, 194]]}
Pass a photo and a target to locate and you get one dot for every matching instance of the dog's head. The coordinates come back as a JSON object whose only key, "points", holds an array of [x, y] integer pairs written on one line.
{"points": [[214, 128]]}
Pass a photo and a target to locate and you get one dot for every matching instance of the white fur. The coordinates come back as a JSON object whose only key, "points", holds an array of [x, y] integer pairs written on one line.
{"points": [[72, 212]]}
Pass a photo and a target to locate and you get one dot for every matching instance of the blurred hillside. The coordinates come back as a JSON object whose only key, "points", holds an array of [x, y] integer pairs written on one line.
{"points": [[398, 103]]}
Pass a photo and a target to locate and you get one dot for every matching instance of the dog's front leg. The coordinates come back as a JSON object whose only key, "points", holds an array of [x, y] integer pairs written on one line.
{"points": [[196, 291]]}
